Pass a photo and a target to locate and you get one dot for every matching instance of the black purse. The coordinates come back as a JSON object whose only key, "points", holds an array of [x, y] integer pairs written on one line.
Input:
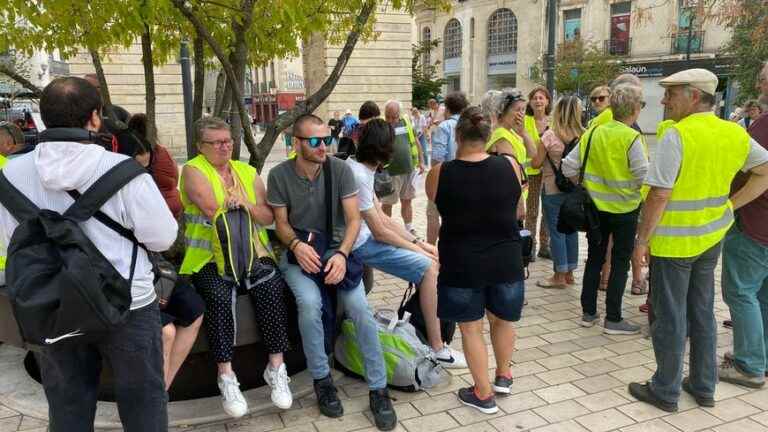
{"points": [[578, 212]]}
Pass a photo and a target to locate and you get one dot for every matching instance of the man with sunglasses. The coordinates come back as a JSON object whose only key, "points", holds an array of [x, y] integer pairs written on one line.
{"points": [[296, 192]]}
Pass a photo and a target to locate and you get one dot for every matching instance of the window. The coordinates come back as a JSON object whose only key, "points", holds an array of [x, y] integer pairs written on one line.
{"points": [[688, 27], [426, 39], [620, 41], [572, 24], [452, 39], [502, 33]]}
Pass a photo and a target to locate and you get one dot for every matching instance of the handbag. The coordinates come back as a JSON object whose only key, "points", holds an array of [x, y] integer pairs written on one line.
{"points": [[578, 212], [165, 277], [382, 183], [561, 181]]}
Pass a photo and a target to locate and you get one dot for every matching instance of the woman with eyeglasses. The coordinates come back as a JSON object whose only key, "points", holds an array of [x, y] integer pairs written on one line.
{"points": [[554, 145], [212, 184], [614, 170], [536, 123]]}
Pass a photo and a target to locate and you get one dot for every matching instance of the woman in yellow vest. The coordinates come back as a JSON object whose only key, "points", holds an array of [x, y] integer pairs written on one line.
{"points": [[510, 137], [536, 123], [212, 183], [614, 171], [600, 98]]}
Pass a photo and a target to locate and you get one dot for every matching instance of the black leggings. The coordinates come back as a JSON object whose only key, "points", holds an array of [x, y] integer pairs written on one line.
{"points": [[269, 301]]}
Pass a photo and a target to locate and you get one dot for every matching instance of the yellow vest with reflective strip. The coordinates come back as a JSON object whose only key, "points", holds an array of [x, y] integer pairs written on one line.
{"points": [[607, 177], [604, 117], [699, 212], [3, 161], [530, 127], [521, 154], [411, 139], [200, 238]]}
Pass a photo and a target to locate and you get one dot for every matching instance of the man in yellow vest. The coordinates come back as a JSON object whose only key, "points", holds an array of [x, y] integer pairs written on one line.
{"points": [[406, 163], [685, 218], [11, 140], [614, 170]]}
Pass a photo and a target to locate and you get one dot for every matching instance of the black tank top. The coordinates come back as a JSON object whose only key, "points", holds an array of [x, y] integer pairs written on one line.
{"points": [[479, 236]]}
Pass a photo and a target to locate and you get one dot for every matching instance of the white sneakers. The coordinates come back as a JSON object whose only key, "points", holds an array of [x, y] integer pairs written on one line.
{"points": [[278, 380], [449, 358], [232, 399]]}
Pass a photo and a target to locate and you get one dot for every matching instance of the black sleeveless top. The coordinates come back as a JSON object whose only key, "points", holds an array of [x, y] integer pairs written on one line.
{"points": [[479, 236]]}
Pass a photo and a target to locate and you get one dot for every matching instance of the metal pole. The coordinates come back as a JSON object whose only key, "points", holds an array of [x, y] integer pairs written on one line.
{"points": [[186, 85], [551, 31]]}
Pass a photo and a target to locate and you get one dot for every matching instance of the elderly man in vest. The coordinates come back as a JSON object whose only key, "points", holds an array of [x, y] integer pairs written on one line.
{"points": [[685, 218]]}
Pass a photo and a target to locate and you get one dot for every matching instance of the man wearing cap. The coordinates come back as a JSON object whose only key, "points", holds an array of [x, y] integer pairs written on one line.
{"points": [[685, 218], [745, 275]]}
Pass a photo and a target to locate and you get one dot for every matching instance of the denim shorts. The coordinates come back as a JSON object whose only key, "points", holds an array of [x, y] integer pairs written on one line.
{"points": [[505, 300], [401, 263]]}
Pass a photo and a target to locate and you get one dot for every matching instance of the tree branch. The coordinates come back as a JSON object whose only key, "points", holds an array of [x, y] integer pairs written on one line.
{"points": [[104, 90], [24, 82], [287, 118]]}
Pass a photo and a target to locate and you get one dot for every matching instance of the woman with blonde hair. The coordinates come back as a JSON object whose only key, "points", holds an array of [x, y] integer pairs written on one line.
{"points": [[555, 143]]}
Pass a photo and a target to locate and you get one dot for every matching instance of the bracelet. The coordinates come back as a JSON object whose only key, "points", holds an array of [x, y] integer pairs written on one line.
{"points": [[340, 252], [293, 243]]}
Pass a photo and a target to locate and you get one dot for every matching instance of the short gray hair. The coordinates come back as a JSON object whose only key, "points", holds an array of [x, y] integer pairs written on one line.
{"points": [[206, 123], [489, 103], [624, 100]]}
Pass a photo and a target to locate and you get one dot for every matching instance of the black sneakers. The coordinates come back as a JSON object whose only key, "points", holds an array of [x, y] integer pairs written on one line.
{"points": [[383, 412], [468, 397], [705, 401], [643, 393], [502, 384], [327, 400]]}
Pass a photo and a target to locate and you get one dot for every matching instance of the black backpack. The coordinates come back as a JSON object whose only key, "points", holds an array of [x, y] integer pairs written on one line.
{"points": [[62, 289]]}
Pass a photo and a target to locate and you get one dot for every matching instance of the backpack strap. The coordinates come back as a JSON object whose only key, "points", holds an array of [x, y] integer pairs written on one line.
{"points": [[20, 207], [105, 188]]}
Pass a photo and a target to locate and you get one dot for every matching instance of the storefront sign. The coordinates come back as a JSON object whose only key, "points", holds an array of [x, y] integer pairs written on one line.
{"points": [[718, 66], [503, 64]]}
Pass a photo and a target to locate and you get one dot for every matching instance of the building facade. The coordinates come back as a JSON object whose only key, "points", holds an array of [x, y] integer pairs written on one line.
{"points": [[378, 70], [491, 44]]}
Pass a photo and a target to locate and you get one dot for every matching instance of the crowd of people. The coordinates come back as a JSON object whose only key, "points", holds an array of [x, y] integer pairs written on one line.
{"points": [[490, 170]]}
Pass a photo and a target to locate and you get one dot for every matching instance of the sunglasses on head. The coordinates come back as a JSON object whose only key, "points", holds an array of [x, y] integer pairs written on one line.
{"points": [[511, 99], [315, 142], [598, 98]]}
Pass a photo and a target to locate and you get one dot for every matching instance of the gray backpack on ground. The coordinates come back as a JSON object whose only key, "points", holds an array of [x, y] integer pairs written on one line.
{"points": [[410, 364]]}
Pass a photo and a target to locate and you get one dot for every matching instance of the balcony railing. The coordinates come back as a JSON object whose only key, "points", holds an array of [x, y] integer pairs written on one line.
{"points": [[680, 42], [617, 47]]}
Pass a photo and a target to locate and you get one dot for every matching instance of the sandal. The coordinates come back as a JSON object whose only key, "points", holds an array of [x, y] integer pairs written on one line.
{"points": [[570, 280], [549, 283], [639, 287]]}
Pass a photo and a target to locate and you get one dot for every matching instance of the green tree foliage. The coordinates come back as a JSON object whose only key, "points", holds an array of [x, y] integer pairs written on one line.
{"points": [[425, 83], [748, 19], [581, 67]]}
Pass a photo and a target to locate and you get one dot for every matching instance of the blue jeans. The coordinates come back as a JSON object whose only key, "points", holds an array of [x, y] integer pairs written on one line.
{"points": [[745, 291], [423, 143], [683, 302], [402, 263], [564, 248], [356, 308]]}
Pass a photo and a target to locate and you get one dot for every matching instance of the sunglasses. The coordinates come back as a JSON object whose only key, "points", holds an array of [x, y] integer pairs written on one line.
{"points": [[315, 142], [598, 98], [511, 99]]}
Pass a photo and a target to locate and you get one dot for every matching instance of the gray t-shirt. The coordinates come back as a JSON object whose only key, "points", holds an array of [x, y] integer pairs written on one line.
{"points": [[666, 165], [305, 199]]}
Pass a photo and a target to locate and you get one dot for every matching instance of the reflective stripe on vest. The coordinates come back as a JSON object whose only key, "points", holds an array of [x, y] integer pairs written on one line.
{"points": [[199, 232], [533, 132], [608, 178], [699, 213]]}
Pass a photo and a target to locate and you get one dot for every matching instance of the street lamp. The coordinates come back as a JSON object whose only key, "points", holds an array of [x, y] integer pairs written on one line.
{"points": [[549, 67]]}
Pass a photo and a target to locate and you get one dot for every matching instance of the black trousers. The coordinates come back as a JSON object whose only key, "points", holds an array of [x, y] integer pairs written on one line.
{"points": [[622, 227], [71, 377]]}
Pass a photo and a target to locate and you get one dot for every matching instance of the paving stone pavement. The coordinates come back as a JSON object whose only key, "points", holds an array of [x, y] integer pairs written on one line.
{"points": [[567, 379]]}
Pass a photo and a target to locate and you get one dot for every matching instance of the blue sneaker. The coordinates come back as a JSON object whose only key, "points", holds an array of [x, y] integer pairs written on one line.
{"points": [[468, 397]]}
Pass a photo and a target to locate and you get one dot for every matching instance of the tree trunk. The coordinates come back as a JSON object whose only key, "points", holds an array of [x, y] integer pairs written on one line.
{"points": [[221, 83], [238, 58], [24, 82], [199, 91], [149, 82], [104, 90], [287, 118], [222, 106]]}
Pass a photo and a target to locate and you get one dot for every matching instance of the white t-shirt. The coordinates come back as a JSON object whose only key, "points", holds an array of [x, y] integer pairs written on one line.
{"points": [[365, 197]]}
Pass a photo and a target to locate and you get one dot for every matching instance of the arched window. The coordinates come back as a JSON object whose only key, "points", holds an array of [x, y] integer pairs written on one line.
{"points": [[426, 39], [452, 39], [502, 33]]}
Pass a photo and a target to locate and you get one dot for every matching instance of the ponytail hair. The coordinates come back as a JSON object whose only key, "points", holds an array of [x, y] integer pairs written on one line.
{"points": [[473, 126]]}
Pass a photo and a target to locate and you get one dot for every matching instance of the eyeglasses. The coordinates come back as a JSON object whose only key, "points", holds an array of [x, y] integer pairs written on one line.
{"points": [[219, 143], [642, 104], [598, 98], [315, 142]]}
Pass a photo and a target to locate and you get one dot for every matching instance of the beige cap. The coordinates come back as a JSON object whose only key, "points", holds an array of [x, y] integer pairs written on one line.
{"points": [[701, 79]]}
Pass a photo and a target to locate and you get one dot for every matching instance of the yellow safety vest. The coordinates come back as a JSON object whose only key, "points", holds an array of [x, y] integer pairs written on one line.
{"points": [[412, 139], [518, 147], [607, 177], [3, 161], [604, 117], [201, 240], [530, 127], [661, 128], [699, 212]]}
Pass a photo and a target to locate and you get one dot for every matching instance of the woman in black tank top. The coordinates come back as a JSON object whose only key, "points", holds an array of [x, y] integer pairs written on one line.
{"points": [[481, 268]]}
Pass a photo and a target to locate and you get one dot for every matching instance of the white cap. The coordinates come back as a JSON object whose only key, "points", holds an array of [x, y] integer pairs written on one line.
{"points": [[701, 79]]}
